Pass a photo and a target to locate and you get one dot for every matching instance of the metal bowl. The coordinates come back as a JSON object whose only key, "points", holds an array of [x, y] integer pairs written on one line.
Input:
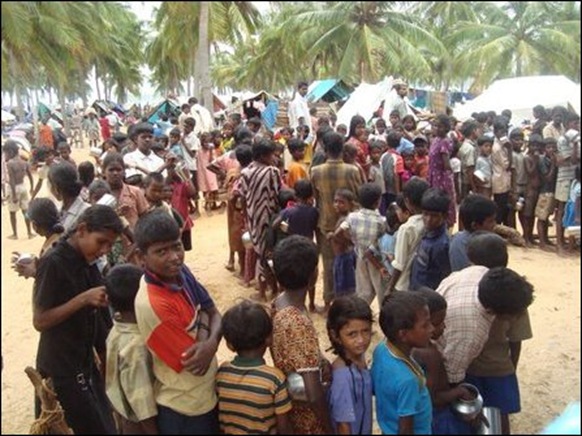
{"points": [[247, 240], [468, 409], [296, 386]]}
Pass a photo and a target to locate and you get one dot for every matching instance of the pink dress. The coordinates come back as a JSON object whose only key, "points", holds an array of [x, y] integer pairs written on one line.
{"points": [[438, 176], [206, 179]]}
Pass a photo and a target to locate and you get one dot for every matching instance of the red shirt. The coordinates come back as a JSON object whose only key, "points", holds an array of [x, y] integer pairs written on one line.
{"points": [[105, 129], [181, 202]]}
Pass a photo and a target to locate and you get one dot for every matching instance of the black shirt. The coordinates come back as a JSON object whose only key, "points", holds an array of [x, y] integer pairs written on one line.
{"points": [[67, 348]]}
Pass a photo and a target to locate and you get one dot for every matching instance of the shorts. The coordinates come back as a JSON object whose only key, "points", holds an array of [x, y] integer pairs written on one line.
{"points": [[563, 190], [501, 392], [22, 198], [544, 206], [344, 273], [444, 421]]}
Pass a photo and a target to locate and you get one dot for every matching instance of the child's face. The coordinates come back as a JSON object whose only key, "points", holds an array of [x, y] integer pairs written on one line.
{"points": [[227, 131], [155, 192], [375, 155], [342, 131], [144, 142], [486, 149], [419, 336], [402, 214], [409, 162], [394, 119], [298, 154], [487, 224], [341, 205], [517, 143], [167, 192], [349, 156], [438, 322], [93, 245], [165, 259], [114, 174], [380, 128], [420, 149], [408, 125], [433, 220], [355, 337], [174, 139], [65, 153]]}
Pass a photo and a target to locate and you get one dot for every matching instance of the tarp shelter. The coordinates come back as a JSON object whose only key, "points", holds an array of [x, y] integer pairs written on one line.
{"points": [[45, 111], [329, 90], [521, 94], [168, 107], [364, 101], [103, 106], [263, 105]]}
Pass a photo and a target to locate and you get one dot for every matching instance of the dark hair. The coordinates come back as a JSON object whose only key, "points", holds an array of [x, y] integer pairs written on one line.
{"points": [[381, 121], [294, 261], [119, 137], [284, 196], [11, 147], [97, 185], [516, 133], [255, 121], [242, 135], [535, 138], [481, 117], [236, 117], [65, 179], [303, 189], [263, 148], [476, 208], [395, 111], [346, 194], [550, 140], [435, 301], [246, 326], [190, 122], [343, 310], [392, 221], [572, 117], [393, 139], [175, 132], [482, 140], [468, 127], [333, 143], [356, 121], [406, 118], [377, 144], [113, 158], [487, 249], [444, 120], [244, 154], [435, 200], [99, 218], [505, 292], [414, 189], [295, 144], [140, 128], [185, 106], [399, 312], [153, 177], [369, 194], [499, 124], [350, 150], [401, 203], [63, 144], [302, 84], [86, 172], [122, 284], [154, 227], [44, 213], [506, 113]]}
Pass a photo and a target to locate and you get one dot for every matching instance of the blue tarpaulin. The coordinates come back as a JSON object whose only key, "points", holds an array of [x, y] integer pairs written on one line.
{"points": [[167, 107], [328, 90]]}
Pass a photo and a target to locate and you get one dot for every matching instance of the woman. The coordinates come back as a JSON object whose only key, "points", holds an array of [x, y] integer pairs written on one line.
{"points": [[440, 174], [66, 187], [357, 136]]}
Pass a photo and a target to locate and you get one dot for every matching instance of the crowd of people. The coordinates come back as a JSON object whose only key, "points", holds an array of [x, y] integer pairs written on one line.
{"points": [[129, 336]]}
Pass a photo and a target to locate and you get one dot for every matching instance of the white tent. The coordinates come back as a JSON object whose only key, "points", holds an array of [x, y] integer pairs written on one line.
{"points": [[521, 94], [7, 117], [364, 101]]}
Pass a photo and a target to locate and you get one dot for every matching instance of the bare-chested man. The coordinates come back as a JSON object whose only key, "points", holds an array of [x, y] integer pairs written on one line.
{"points": [[17, 194]]}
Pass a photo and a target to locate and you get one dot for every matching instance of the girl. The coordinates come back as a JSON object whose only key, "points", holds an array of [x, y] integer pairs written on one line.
{"points": [[66, 188], [358, 136], [440, 174], [409, 128], [92, 127], [409, 166], [349, 327], [70, 312], [86, 176], [207, 182]]}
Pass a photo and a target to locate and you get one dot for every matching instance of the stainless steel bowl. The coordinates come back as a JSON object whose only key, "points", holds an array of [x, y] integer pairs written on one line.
{"points": [[246, 240], [468, 409], [296, 386]]}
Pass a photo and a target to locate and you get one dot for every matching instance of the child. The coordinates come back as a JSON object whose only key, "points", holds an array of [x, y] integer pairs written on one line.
{"points": [[409, 163], [349, 327], [409, 235], [431, 262], [297, 169], [86, 176], [572, 209], [183, 190], [444, 421], [392, 169], [456, 169], [483, 169], [532, 190], [170, 308], [518, 178], [128, 377], [153, 188], [364, 227], [175, 144], [342, 129], [387, 241], [545, 206], [207, 182], [375, 171], [247, 329], [350, 154], [70, 312], [17, 193], [476, 213], [420, 156], [64, 152], [247, 256], [344, 261], [380, 130], [295, 346], [403, 404]]}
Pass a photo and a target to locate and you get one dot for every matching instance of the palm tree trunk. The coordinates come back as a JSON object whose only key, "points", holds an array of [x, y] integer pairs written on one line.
{"points": [[204, 52], [62, 103], [97, 84], [35, 119], [17, 90]]}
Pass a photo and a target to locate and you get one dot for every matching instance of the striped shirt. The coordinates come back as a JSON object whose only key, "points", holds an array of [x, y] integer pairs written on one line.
{"points": [[250, 396], [365, 227]]}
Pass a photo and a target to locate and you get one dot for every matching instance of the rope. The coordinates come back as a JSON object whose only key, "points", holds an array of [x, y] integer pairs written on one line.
{"points": [[49, 419]]}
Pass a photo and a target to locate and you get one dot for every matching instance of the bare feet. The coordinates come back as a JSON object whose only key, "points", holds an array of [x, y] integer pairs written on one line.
{"points": [[31, 235], [229, 266], [13, 237]]}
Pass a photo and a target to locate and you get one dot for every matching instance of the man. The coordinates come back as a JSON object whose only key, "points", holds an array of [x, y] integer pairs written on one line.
{"points": [[143, 161], [327, 178], [204, 121], [501, 162], [398, 100], [298, 108], [555, 129]]}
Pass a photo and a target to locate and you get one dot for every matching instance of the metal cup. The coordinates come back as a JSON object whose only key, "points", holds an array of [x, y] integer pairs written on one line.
{"points": [[493, 416]]}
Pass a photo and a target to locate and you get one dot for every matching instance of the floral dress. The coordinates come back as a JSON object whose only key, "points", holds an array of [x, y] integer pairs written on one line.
{"points": [[439, 177]]}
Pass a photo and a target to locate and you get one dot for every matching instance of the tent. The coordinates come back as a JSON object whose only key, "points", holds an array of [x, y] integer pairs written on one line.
{"points": [[105, 106], [260, 104], [364, 101], [521, 94], [168, 107], [329, 90], [7, 117]]}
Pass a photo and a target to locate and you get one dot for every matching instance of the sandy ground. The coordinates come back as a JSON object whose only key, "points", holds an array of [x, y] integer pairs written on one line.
{"points": [[549, 370]]}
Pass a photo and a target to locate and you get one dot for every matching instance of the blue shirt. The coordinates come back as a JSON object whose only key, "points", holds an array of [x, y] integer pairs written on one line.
{"points": [[405, 145], [350, 399], [458, 251], [398, 393], [387, 246], [431, 263]]}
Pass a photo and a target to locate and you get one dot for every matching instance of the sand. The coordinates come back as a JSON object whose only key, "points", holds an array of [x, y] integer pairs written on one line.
{"points": [[549, 368]]}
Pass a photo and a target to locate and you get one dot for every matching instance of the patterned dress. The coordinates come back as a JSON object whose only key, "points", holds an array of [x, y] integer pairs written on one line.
{"points": [[206, 179], [295, 348], [438, 176]]}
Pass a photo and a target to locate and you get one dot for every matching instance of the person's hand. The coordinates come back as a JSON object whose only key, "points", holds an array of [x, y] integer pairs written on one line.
{"points": [[198, 357], [329, 236], [384, 273], [96, 297], [26, 270], [464, 394], [123, 209]]}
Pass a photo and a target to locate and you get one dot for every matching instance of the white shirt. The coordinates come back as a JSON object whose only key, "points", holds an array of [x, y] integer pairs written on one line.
{"points": [[193, 144], [204, 120], [112, 119], [298, 108], [151, 162]]}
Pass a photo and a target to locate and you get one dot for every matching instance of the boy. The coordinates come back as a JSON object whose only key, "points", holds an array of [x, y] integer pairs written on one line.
{"points": [[409, 235], [17, 193], [532, 189], [468, 155], [183, 190], [420, 156], [483, 169], [518, 177], [297, 169], [431, 263], [392, 169], [64, 152], [248, 329], [170, 308], [46, 155], [350, 154], [375, 171], [364, 227], [129, 378], [545, 206], [403, 404], [493, 372], [476, 213]]}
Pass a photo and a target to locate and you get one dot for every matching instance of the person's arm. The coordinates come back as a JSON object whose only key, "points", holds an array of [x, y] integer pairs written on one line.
{"points": [[197, 357], [45, 319], [515, 351], [369, 255], [11, 182], [29, 174], [36, 188]]}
